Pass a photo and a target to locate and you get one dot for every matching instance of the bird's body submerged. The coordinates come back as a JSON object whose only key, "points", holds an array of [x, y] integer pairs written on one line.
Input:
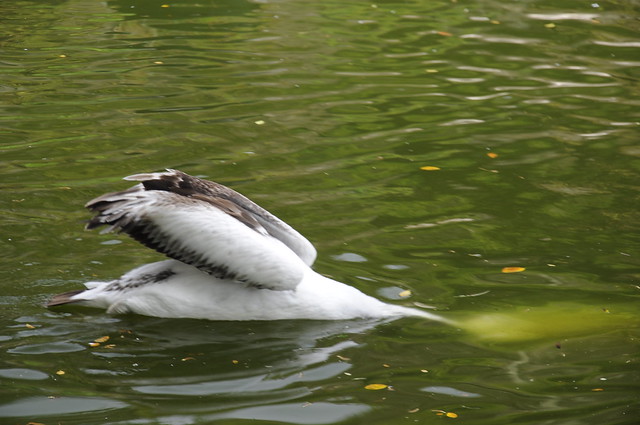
{"points": [[231, 259]]}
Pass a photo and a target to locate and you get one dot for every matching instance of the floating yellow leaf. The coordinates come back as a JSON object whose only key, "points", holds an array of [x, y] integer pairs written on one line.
{"points": [[343, 358], [447, 414], [102, 339], [375, 387], [597, 389], [513, 269], [29, 326], [429, 168], [405, 293], [550, 25], [110, 346], [444, 33], [259, 122], [235, 361], [94, 344], [185, 359], [495, 22], [492, 155], [431, 70], [60, 372]]}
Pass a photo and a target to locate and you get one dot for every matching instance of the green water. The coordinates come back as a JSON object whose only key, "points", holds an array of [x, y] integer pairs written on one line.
{"points": [[324, 113]]}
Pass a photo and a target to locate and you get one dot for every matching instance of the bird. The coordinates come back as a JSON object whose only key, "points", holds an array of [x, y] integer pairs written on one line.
{"points": [[228, 259]]}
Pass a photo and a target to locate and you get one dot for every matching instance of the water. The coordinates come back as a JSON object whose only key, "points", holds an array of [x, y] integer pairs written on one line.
{"points": [[324, 113]]}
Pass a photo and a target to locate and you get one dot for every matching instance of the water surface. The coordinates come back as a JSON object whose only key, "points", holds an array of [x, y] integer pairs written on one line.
{"points": [[325, 113]]}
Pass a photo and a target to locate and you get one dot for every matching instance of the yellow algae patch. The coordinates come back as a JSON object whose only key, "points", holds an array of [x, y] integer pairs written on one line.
{"points": [[552, 321]]}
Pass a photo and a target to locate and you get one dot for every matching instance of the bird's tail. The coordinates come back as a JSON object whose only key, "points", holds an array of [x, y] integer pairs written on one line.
{"points": [[64, 298]]}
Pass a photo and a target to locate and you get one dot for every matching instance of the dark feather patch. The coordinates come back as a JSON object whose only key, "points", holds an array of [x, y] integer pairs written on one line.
{"points": [[137, 281]]}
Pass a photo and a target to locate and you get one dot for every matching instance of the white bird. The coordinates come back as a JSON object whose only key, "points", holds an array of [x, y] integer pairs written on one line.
{"points": [[230, 259]]}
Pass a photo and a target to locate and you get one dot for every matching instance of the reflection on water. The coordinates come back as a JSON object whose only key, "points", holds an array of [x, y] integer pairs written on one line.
{"points": [[296, 372], [239, 368], [38, 406], [524, 113]]}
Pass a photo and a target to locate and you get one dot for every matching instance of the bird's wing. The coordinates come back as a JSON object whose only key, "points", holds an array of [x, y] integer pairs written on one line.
{"points": [[183, 184], [209, 226]]}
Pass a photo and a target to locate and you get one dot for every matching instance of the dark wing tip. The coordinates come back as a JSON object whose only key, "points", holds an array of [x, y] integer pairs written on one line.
{"points": [[171, 180]]}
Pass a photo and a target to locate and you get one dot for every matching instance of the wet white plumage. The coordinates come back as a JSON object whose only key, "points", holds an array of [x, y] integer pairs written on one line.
{"points": [[231, 259]]}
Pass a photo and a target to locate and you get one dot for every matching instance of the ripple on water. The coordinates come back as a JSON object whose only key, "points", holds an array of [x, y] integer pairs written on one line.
{"points": [[47, 348], [41, 406], [296, 413], [245, 385], [23, 373]]}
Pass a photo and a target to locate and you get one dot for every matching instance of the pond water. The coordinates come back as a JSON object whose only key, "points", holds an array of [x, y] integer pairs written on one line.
{"points": [[422, 146]]}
